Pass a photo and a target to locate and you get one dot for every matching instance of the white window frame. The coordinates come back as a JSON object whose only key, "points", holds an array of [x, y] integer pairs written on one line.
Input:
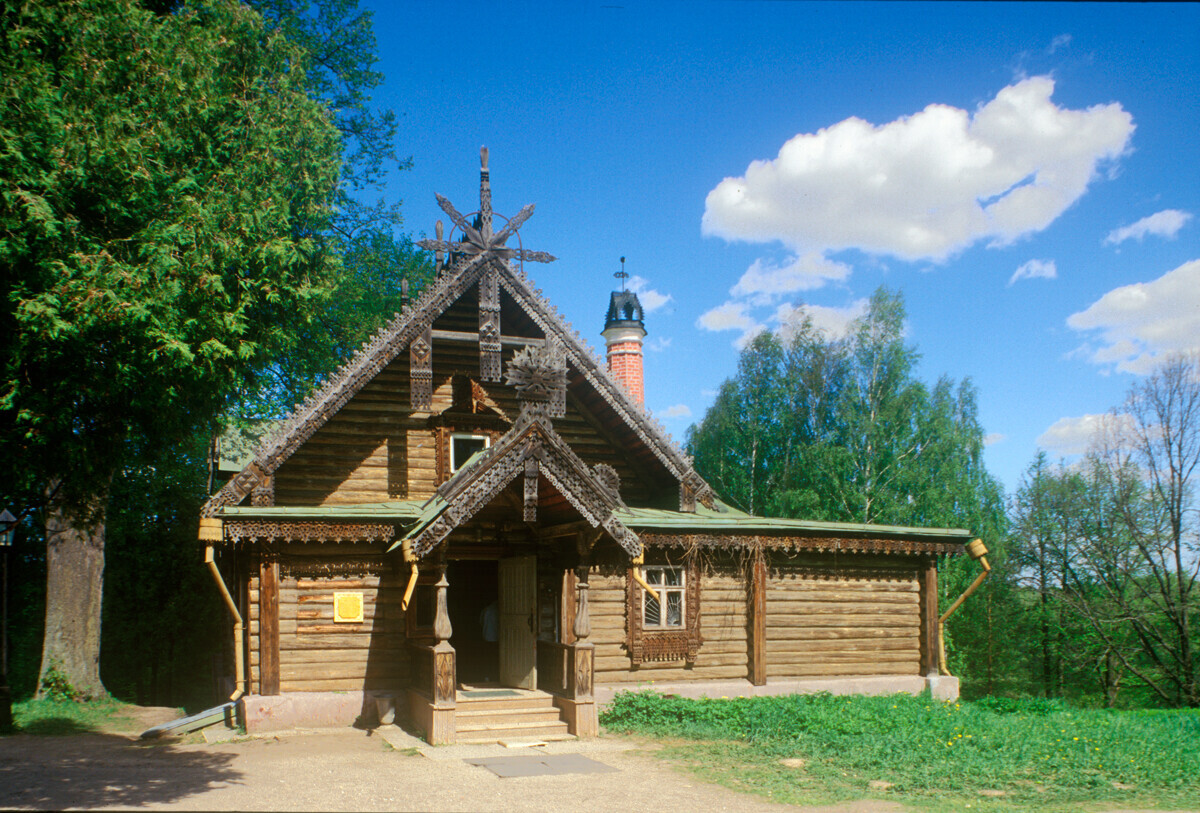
{"points": [[662, 589], [455, 463]]}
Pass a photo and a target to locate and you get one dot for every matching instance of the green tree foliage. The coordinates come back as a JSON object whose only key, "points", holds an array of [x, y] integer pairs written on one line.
{"points": [[1108, 548], [843, 430], [166, 183]]}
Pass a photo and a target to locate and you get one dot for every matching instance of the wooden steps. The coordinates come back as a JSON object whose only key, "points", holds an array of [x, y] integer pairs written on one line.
{"points": [[522, 715]]}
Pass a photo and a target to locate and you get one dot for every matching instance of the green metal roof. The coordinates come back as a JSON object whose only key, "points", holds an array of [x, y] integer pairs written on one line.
{"points": [[396, 511], [729, 520], [419, 513]]}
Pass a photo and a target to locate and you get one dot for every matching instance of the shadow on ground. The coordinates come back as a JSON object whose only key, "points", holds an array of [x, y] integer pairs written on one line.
{"points": [[95, 770]]}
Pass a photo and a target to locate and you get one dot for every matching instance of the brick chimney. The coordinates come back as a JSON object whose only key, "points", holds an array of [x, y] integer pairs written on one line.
{"points": [[623, 334]]}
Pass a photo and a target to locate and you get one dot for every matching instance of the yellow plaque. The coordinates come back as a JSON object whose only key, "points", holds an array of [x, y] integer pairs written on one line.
{"points": [[348, 608]]}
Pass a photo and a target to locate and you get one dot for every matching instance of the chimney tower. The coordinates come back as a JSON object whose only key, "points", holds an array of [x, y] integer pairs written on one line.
{"points": [[623, 334]]}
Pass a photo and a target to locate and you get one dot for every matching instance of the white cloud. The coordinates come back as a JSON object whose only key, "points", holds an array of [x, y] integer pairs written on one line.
{"points": [[732, 316], [927, 185], [1166, 223], [1035, 269], [658, 344], [677, 411], [1071, 436], [1061, 41], [993, 438], [651, 299], [1139, 323], [833, 322], [1075, 436], [799, 273]]}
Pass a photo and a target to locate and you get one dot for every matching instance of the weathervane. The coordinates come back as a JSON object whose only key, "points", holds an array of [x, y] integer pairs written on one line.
{"points": [[622, 275], [478, 241]]}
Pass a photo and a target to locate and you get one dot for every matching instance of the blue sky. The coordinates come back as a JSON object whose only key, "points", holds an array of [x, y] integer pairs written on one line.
{"points": [[1026, 174]]}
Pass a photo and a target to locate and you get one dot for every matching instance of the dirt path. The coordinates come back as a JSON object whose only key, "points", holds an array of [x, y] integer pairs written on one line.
{"points": [[334, 770]]}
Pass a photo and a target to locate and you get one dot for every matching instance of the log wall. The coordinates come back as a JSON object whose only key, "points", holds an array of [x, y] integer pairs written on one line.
{"points": [[829, 617], [315, 653], [375, 449], [723, 654]]}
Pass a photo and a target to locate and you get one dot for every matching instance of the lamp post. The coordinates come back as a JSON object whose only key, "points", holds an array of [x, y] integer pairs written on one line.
{"points": [[8, 530]]}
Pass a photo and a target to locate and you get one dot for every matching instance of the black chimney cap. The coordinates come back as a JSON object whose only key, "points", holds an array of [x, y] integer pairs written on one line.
{"points": [[624, 310]]}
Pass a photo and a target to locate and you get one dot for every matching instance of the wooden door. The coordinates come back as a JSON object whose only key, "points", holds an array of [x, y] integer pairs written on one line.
{"points": [[518, 604]]}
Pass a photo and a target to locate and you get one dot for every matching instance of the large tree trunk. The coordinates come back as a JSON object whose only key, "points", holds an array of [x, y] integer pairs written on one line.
{"points": [[74, 585]]}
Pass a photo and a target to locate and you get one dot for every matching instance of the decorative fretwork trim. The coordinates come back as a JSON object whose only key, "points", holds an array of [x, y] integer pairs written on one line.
{"points": [[908, 547], [531, 438], [236, 531], [313, 566]]}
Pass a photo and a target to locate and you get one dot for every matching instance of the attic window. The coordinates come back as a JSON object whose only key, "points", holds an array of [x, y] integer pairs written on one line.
{"points": [[463, 445]]}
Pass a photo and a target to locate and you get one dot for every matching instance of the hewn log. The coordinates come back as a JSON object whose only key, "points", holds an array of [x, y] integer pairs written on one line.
{"points": [[929, 617], [268, 633], [757, 610]]}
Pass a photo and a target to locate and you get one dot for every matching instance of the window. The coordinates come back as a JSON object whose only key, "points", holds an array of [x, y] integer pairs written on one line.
{"points": [[463, 445], [668, 582], [666, 626]]}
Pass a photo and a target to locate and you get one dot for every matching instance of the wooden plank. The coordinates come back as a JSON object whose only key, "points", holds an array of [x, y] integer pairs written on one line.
{"points": [[354, 657], [388, 642], [268, 644], [929, 616], [841, 633], [669, 671], [757, 610], [850, 621]]}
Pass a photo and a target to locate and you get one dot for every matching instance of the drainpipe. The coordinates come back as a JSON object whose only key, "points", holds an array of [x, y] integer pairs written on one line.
{"points": [[978, 552], [210, 531], [637, 575], [412, 578]]}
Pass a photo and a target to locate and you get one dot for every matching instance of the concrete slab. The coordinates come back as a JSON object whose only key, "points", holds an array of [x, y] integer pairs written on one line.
{"points": [[941, 687], [541, 765]]}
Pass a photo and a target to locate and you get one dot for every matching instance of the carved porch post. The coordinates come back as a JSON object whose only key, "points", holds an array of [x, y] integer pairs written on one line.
{"points": [[443, 729], [581, 705]]}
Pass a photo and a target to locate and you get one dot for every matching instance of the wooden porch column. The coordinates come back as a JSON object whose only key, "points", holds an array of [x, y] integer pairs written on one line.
{"points": [[442, 727], [268, 624], [758, 622], [929, 616], [579, 707]]}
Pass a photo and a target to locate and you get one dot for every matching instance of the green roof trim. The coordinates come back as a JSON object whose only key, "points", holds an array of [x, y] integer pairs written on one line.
{"points": [[417, 514], [729, 520], [396, 511]]}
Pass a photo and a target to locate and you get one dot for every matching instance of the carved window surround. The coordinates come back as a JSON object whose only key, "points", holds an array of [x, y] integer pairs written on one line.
{"points": [[681, 644]]}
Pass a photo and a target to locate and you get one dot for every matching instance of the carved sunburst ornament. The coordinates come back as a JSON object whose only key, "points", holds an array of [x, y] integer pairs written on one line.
{"points": [[538, 374], [482, 242]]}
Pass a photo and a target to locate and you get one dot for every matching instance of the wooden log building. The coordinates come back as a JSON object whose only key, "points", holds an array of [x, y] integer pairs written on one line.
{"points": [[477, 524]]}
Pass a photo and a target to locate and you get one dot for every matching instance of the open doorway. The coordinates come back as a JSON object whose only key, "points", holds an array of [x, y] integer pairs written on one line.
{"points": [[474, 617]]}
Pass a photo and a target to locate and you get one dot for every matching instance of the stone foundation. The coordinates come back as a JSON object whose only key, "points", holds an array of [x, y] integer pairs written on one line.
{"points": [[310, 710], [940, 687]]}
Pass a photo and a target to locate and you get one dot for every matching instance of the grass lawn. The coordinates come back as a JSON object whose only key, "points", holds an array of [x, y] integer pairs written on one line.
{"points": [[992, 754], [60, 717]]}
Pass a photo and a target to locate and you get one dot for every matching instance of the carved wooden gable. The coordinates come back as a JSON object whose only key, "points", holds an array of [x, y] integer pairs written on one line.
{"points": [[477, 269]]}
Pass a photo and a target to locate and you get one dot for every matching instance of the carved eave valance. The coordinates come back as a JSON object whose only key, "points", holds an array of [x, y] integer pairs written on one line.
{"points": [[810, 544], [236, 531]]}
